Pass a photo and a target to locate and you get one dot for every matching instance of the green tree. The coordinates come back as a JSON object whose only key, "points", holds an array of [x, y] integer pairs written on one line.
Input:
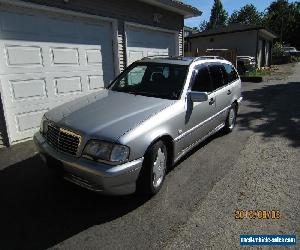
{"points": [[218, 15], [283, 18], [246, 15], [203, 26]]}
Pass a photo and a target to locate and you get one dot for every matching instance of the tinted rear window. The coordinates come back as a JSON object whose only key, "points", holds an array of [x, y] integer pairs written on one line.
{"points": [[231, 74], [216, 76], [202, 81]]}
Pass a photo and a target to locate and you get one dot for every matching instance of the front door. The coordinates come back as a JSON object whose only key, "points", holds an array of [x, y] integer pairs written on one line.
{"points": [[199, 119]]}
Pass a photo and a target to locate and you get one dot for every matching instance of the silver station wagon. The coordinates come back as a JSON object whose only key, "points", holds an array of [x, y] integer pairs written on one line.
{"points": [[125, 137]]}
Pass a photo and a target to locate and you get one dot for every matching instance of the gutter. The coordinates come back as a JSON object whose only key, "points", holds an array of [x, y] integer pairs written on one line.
{"points": [[230, 32], [176, 6]]}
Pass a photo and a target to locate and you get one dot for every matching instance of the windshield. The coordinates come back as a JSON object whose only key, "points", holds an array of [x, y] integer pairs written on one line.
{"points": [[152, 79]]}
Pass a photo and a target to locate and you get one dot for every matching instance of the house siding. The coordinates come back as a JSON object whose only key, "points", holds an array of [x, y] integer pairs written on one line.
{"points": [[244, 42], [122, 51], [181, 42], [129, 11]]}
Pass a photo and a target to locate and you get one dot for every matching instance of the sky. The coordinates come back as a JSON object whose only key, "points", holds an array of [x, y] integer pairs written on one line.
{"points": [[229, 5]]}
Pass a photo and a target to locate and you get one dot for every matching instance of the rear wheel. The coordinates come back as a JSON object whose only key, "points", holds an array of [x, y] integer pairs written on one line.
{"points": [[231, 118], [154, 169]]}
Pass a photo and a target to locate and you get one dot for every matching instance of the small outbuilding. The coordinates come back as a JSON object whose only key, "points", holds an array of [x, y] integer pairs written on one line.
{"points": [[247, 40]]}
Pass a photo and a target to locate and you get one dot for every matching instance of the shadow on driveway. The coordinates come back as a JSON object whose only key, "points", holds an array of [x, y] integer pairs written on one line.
{"points": [[277, 110], [38, 211]]}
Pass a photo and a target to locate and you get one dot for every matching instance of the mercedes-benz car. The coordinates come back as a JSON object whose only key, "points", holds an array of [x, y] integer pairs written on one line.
{"points": [[124, 138]]}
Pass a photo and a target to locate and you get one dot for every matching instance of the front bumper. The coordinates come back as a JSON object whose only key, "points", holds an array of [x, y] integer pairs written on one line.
{"points": [[95, 176]]}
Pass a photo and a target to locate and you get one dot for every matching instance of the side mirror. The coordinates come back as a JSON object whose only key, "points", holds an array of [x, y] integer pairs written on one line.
{"points": [[198, 96]]}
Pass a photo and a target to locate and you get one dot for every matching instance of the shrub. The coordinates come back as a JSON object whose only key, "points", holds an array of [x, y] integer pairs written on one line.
{"points": [[278, 49]]}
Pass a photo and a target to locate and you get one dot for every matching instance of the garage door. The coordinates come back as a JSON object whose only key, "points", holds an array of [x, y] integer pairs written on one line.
{"points": [[143, 42], [48, 59]]}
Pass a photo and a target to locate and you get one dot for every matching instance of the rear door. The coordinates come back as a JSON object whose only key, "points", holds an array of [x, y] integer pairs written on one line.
{"points": [[224, 78], [218, 85]]}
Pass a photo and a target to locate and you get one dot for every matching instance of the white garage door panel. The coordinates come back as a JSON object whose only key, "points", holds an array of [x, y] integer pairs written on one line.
{"points": [[30, 120], [54, 62], [95, 82], [30, 88], [65, 56], [94, 56], [143, 42], [67, 85], [23, 55]]}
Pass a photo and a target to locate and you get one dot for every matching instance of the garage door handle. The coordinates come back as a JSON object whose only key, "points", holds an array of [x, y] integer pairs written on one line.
{"points": [[229, 92], [212, 101]]}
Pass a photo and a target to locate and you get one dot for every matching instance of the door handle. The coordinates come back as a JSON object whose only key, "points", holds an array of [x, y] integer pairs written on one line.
{"points": [[212, 101], [229, 92]]}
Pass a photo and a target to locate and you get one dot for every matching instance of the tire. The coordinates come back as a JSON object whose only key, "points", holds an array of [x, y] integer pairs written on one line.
{"points": [[154, 169], [231, 119]]}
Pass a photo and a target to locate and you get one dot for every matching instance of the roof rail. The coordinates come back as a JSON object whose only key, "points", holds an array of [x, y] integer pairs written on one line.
{"points": [[156, 56], [207, 57]]}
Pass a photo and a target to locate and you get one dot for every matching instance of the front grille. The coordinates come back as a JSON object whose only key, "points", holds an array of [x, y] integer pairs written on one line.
{"points": [[63, 139]]}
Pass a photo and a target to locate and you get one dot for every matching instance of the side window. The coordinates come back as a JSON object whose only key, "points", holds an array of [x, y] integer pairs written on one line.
{"points": [[231, 73], [216, 76], [165, 71], [135, 76], [202, 82], [225, 75]]}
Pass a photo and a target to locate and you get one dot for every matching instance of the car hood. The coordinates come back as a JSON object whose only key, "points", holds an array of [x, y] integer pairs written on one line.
{"points": [[106, 114]]}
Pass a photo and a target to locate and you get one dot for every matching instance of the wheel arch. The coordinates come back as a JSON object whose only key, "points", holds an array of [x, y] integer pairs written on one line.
{"points": [[169, 142], [236, 103]]}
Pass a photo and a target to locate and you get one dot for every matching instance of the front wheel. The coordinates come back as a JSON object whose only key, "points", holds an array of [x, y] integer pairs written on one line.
{"points": [[154, 169], [231, 118]]}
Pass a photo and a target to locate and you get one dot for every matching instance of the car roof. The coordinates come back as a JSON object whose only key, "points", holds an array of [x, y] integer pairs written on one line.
{"points": [[181, 60]]}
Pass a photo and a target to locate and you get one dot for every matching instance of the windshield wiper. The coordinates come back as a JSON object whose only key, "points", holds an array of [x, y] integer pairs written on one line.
{"points": [[149, 94]]}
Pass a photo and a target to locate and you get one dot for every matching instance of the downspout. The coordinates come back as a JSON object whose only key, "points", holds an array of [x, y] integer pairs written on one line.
{"points": [[256, 54], [271, 53]]}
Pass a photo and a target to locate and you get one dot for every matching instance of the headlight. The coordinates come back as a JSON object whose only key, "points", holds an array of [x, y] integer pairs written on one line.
{"points": [[106, 151], [44, 125]]}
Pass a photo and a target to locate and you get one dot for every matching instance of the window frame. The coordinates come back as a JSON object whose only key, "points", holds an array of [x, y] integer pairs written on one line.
{"points": [[221, 65], [195, 73], [231, 65]]}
